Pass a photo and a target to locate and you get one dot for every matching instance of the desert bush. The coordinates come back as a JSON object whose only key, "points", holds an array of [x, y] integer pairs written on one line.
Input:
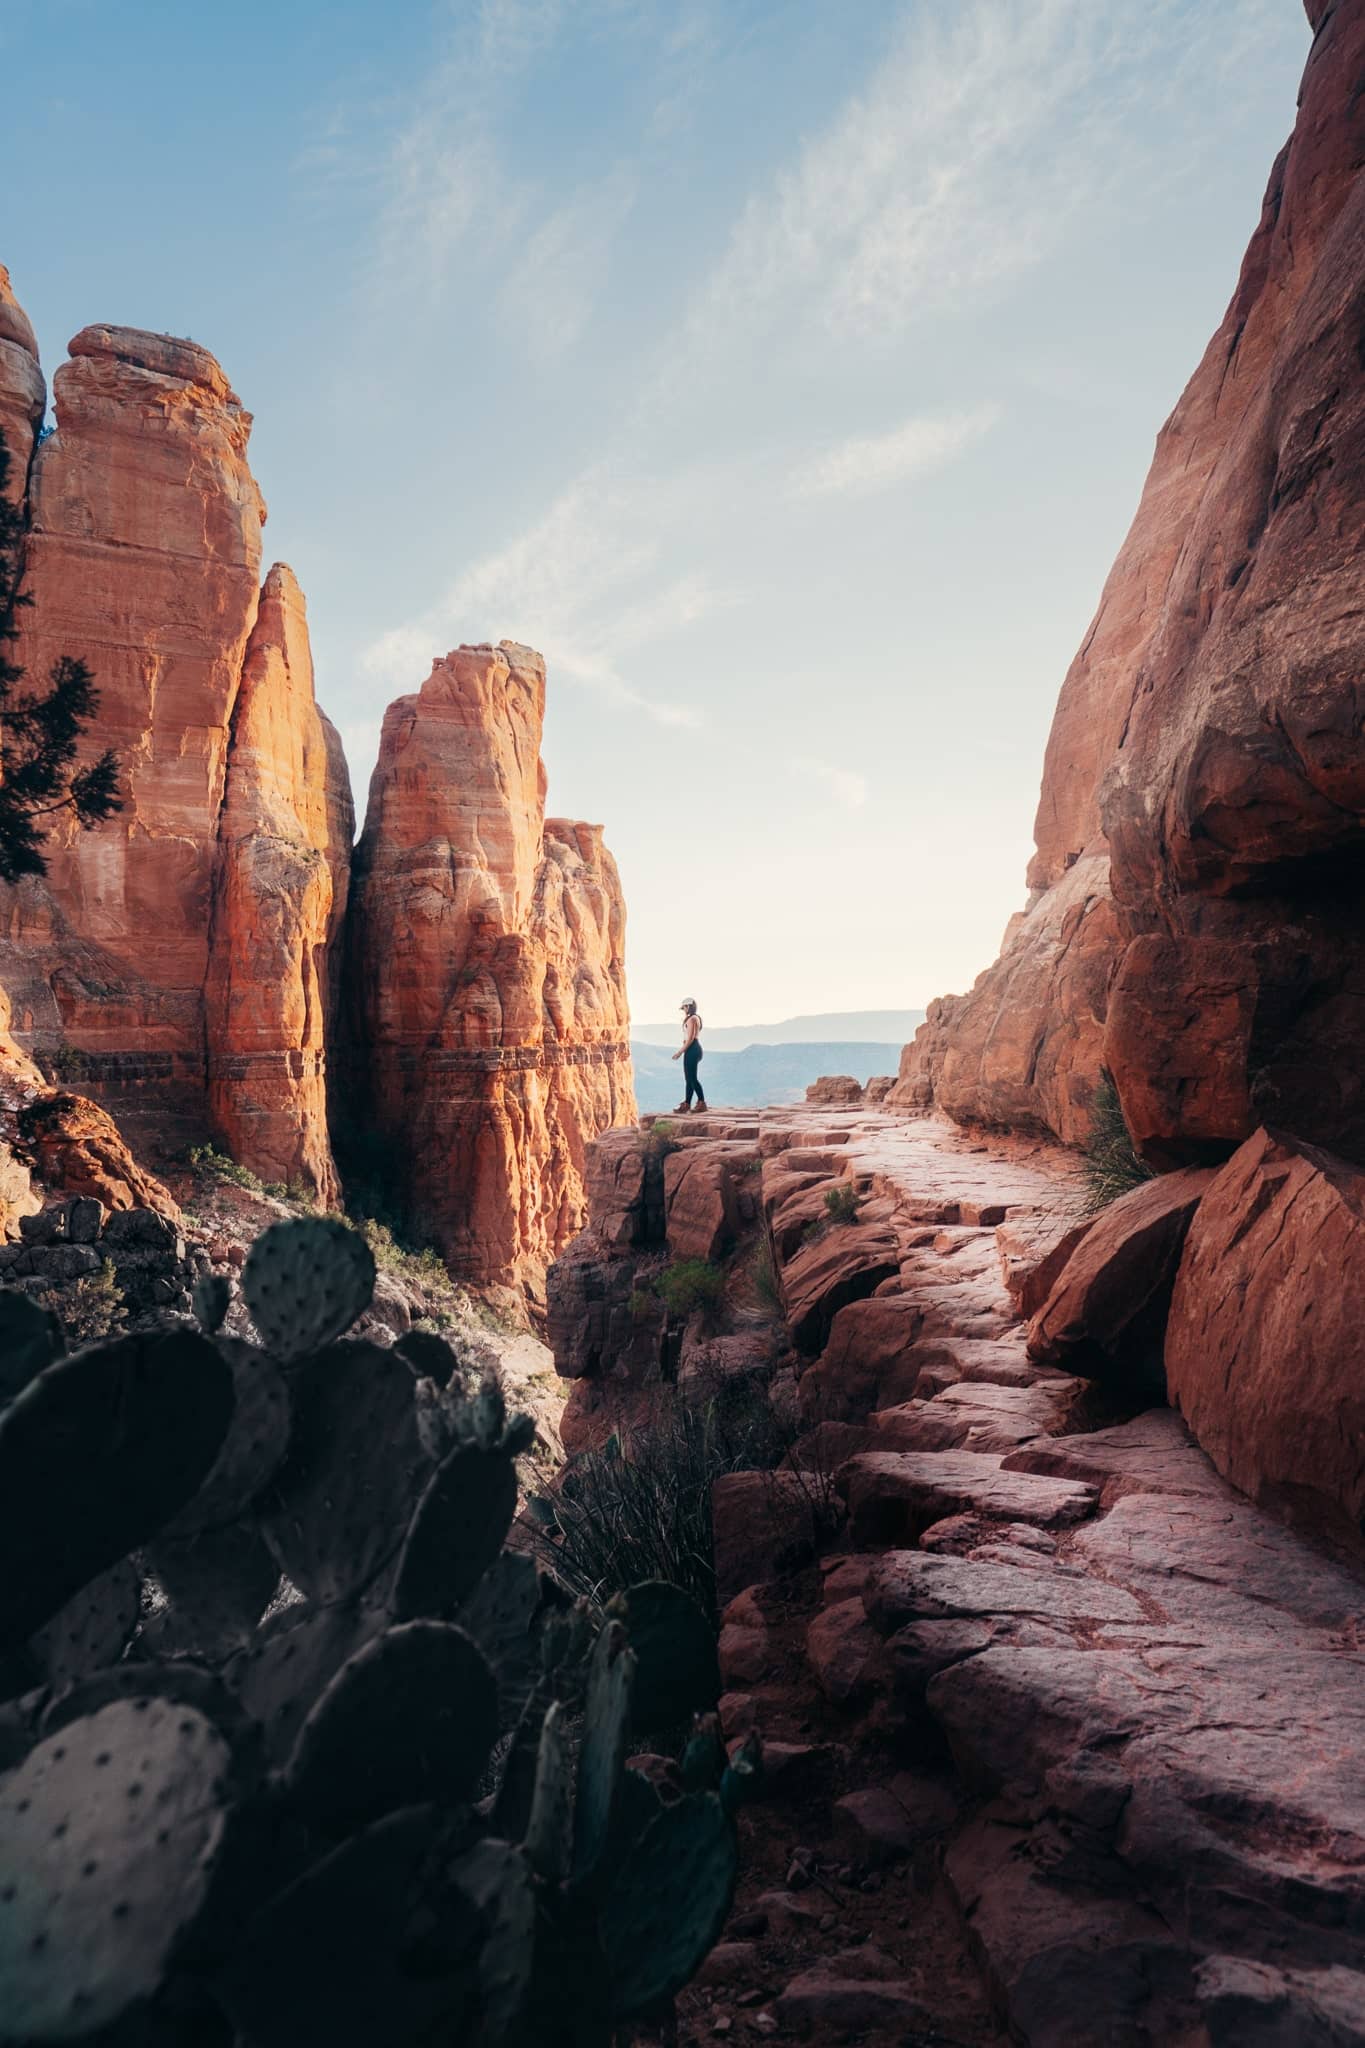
{"points": [[689, 1284], [336, 1744], [89, 1309], [842, 1203], [640, 1508], [216, 1165], [660, 1139], [1111, 1166], [423, 1270]]}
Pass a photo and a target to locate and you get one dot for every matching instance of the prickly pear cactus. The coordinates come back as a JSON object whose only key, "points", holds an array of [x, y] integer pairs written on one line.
{"points": [[408, 1721], [458, 1530], [668, 1902], [112, 1829], [337, 1510], [255, 1444], [210, 1300], [92, 1630], [217, 1582], [375, 1943], [305, 1281], [677, 1672], [606, 1717], [549, 1837], [96, 1455]]}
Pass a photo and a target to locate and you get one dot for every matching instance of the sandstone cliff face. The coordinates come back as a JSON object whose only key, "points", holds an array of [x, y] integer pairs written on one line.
{"points": [[23, 394], [284, 856], [1204, 730], [485, 970], [144, 556], [172, 960]]}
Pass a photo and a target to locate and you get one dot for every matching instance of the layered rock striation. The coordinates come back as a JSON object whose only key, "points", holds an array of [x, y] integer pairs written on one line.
{"points": [[486, 973], [1194, 917]]}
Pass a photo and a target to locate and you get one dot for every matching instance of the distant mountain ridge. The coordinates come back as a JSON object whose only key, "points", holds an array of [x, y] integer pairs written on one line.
{"points": [[757, 1075], [828, 1027]]}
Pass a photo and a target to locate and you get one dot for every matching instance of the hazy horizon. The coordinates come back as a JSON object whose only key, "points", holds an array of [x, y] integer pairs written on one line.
{"points": [[788, 380]]}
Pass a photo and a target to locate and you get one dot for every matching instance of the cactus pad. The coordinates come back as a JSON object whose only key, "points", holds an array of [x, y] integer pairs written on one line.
{"points": [[374, 1944], [338, 1508], [668, 1902], [457, 1532], [92, 1629], [278, 1677], [218, 1583], [210, 1299], [606, 1726], [30, 1338], [96, 1455], [549, 1837], [305, 1281], [250, 1453], [497, 1880], [408, 1721], [112, 1828], [677, 1673]]}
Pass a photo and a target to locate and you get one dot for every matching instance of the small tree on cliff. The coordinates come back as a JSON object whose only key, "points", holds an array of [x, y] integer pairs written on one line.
{"points": [[40, 730]]}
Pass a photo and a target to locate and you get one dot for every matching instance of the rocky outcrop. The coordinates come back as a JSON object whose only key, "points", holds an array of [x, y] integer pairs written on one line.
{"points": [[176, 959], [23, 394], [143, 559], [1205, 762], [486, 971], [1264, 1341], [75, 1148], [284, 859]]}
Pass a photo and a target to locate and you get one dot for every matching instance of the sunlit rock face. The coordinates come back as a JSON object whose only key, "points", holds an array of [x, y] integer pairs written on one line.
{"points": [[284, 860], [130, 963], [1195, 914], [486, 973], [23, 394]]}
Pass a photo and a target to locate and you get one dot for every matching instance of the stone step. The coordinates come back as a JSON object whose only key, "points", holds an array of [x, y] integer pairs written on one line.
{"points": [[893, 1495]]}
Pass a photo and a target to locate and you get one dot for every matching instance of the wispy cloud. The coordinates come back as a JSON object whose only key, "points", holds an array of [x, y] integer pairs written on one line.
{"points": [[874, 462], [846, 785], [549, 295]]}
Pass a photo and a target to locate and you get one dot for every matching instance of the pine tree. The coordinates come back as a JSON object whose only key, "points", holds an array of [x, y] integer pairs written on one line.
{"points": [[40, 730]]}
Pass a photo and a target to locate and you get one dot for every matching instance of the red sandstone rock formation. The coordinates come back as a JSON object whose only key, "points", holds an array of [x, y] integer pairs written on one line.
{"points": [[486, 971], [143, 558], [284, 848], [23, 393], [1213, 704], [179, 949], [1263, 1344]]}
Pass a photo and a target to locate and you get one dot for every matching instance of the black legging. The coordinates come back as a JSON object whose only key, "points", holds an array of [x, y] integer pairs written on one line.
{"points": [[691, 1061]]}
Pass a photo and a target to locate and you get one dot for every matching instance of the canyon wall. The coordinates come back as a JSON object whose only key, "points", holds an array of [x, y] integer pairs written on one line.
{"points": [[183, 963], [1194, 915], [486, 972]]}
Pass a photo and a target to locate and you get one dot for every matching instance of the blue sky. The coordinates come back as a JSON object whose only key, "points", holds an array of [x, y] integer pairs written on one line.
{"points": [[787, 373]]}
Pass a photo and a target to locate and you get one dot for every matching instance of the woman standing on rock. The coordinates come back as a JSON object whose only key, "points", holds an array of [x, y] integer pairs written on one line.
{"points": [[689, 1052]]}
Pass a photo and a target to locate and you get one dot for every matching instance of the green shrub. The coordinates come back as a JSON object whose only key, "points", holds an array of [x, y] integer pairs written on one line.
{"points": [[89, 1309], [68, 1064], [1111, 1165], [660, 1139], [207, 1159], [424, 1270], [843, 1203], [689, 1284]]}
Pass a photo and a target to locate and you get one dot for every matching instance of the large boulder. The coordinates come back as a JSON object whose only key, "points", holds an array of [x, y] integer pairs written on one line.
{"points": [[1265, 1344], [843, 1264], [865, 1363], [1106, 1314], [701, 1201]]}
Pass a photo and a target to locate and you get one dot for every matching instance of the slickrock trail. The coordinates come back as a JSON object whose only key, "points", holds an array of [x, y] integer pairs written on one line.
{"points": [[1065, 1733]]}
